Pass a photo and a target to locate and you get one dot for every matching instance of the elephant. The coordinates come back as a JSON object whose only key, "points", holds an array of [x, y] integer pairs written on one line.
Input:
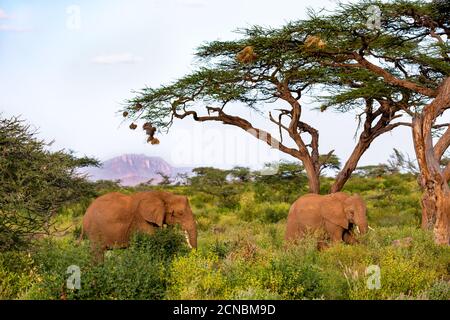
{"points": [[112, 218], [336, 213]]}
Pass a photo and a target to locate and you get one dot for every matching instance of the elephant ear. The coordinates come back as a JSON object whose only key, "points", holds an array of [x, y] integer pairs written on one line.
{"points": [[335, 213], [152, 210]]}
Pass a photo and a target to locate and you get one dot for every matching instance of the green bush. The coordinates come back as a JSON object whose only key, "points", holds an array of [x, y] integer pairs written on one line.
{"points": [[265, 212], [138, 272], [34, 183], [17, 274], [440, 290], [294, 276], [197, 276], [275, 212]]}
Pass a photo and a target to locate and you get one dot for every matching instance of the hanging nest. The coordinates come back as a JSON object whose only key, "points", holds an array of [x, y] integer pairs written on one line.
{"points": [[125, 114], [137, 106], [133, 126], [153, 140], [314, 42], [150, 130], [246, 55]]}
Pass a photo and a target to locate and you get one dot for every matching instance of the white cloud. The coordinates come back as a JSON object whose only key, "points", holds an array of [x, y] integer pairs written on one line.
{"points": [[3, 14], [117, 58]]}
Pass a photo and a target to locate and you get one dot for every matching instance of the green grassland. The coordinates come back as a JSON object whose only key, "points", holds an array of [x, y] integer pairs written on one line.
{"points": [[241, 253]]}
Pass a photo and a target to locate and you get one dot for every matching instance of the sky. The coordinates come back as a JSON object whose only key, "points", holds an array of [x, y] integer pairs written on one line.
{"points": [[67, 67]]}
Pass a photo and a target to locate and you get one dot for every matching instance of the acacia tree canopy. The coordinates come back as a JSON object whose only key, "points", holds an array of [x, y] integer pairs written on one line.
{"points": [[382, 74]]}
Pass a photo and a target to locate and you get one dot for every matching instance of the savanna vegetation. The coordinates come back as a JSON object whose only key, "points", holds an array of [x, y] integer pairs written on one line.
{"points": [[397, 66], [241, 254]]}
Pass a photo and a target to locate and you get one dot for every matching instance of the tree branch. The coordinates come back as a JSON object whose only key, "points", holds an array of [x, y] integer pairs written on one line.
{"points": [[391, 79], [243, 124]]}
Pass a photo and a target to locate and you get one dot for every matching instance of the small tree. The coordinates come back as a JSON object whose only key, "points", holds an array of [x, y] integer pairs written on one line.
{"points": [[214, 182], [375, 171], [34, 183], [242, 174], [166, 181], [285, 184], [400, 162]]}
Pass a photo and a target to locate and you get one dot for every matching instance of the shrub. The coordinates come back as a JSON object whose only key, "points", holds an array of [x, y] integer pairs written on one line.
{"points": [[275, 212], [399, 275], [138, 272], [197, 276], [17, 274], [34, 183], [165, 244], [440, 290], [265, 212]]}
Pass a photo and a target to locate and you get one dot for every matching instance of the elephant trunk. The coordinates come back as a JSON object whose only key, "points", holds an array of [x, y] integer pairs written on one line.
{"points": [[362, 224]]}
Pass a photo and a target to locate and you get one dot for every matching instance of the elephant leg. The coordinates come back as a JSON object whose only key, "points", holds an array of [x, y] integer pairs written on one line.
{"points": [[334, 231], [98, 252]]}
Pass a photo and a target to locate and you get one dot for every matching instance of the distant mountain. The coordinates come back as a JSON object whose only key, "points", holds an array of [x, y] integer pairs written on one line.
{"points": [[132, 169]]}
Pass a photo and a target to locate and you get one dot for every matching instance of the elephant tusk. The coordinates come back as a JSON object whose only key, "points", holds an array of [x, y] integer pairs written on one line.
{"points": [[370, 228], [357, 229], [186, 235]]}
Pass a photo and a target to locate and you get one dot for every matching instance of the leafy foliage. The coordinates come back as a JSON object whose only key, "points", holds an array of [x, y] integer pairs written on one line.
{"points": [[34, 183], [136, 273], [214, 182]]}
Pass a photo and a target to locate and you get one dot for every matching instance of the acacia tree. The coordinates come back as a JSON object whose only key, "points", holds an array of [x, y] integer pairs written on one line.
{"points": [[265, 66], [408, 56], [272, 75]]}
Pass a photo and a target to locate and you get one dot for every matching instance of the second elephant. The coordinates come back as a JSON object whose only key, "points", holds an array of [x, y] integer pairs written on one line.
{"points": [[335, 213]]}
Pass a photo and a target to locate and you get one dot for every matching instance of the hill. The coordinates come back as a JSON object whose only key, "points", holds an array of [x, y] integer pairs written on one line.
{"points": [[133, 169]]}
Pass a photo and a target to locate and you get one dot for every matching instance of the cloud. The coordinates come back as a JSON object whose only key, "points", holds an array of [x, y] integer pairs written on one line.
{"points": [[3, 14], [117, 58]]}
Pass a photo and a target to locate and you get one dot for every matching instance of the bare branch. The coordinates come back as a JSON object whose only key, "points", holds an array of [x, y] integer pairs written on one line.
{"points": [[243, 124]]}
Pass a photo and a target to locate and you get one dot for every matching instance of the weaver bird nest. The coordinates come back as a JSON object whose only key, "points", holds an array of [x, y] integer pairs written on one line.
{"points": [[246, 55], [314, 42], [150, 130]]}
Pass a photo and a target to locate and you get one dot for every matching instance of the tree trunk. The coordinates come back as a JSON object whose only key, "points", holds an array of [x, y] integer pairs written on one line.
{"points": [[313, 175], [350, 165], [435, 199]]}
